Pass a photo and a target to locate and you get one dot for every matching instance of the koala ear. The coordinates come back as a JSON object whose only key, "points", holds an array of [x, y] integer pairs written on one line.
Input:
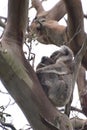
{"points": [[66, 51]]}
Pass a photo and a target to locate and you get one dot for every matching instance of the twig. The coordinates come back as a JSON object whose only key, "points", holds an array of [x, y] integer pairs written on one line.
{"points": [[85, 16], [8, 125], [76, 65], [74, 109]]}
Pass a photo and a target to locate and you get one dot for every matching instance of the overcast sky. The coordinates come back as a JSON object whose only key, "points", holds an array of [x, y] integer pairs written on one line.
{"points": [[19, 120]]}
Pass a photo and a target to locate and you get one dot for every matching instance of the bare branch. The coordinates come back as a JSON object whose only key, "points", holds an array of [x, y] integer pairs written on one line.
{"points": [[73, 109], [37, 4], [8, 125], [57, 12], [81, 80], [79, 124], [82, 87], [77, 63], [85, 16], [16, 25], [75, 22], [49, 32]]}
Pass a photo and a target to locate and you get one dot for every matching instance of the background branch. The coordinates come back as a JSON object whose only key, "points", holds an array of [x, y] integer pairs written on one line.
{"points": [[37, 4], [57, 12]]}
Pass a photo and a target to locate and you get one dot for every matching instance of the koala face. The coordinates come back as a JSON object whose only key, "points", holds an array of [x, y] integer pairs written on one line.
{"points": [[44, 62], [63, 54]]}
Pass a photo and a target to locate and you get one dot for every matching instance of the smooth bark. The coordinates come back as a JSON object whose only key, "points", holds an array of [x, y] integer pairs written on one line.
{"points": [[20, 79]]}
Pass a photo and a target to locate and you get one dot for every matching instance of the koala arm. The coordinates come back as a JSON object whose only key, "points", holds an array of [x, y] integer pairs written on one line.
{"points": [[57, 68]]}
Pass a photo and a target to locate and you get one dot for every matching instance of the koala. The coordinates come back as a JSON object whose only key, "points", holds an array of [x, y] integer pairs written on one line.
{"points": [[55, 76], [44, 62]]}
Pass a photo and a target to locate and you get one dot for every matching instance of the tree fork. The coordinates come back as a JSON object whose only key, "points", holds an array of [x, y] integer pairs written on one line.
{"points": [[19, 78]]}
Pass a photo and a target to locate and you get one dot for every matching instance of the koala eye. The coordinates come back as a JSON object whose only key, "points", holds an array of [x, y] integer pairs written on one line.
{"points": [[66, 52], [44, 58]]}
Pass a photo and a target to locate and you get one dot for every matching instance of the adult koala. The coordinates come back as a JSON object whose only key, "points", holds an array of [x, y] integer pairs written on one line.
{"points": [[55, 75]]}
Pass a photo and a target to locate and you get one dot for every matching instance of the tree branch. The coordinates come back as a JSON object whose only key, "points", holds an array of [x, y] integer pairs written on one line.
{"points": [[38, 6], [76, 24], [8, 125], [79, 123], [72, 36], [49, 32], [57, 12], [17, 17], [20, 79], [82, 87]]}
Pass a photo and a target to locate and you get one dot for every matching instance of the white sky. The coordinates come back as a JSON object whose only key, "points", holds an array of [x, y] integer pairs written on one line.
{"points": [[40, 50]]}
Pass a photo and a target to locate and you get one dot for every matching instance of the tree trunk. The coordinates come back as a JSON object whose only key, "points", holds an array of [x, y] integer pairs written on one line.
{"points": [[20, 79]]}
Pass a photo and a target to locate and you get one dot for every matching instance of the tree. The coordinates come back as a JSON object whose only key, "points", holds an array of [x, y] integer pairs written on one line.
{"points": [[16, 73]]}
